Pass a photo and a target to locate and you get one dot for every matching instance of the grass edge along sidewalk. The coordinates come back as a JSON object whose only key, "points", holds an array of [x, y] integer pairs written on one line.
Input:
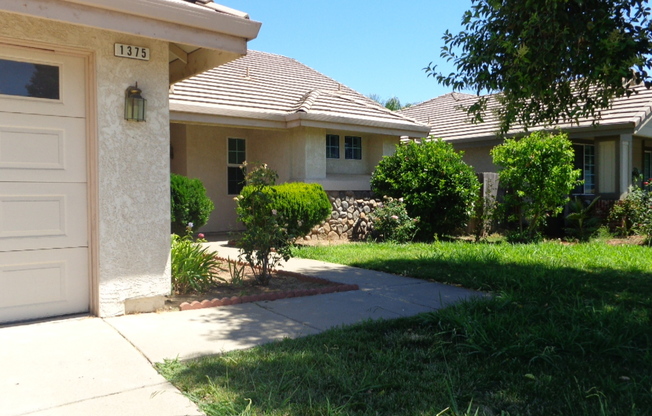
{"points": [[567, 332]]}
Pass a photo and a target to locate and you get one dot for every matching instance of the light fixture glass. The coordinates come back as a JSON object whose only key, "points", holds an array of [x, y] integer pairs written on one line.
{"points": [[134, 104]]}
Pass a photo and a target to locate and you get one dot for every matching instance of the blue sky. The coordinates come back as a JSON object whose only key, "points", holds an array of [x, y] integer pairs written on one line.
{"points": [[373, 46]]}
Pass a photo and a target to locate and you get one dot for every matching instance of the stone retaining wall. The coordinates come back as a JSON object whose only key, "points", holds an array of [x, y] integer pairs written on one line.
{"points": [[349, 218]]}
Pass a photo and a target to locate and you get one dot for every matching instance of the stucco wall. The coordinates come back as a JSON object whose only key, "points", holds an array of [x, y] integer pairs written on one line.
{"points": [[297, 154], [132, 172], [206, 156], [479, 158]]}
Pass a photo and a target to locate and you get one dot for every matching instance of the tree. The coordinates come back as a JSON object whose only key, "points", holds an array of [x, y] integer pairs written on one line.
{"points": [[434, 182], [549, 60], [538, 173], [393, 103], [275, 216]]}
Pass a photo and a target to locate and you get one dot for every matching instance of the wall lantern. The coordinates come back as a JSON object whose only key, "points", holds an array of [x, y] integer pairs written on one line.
{"points": [[134, 104]]}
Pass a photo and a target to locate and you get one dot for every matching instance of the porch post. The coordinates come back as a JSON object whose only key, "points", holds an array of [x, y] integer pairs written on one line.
{"points": [[626, 154]]}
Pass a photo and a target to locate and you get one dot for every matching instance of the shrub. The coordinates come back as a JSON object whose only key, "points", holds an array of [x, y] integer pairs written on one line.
{"points": [[301, 205], [193, 266], [275, 216], [392, 222], [434, 182], [189, 203], [633, 213], [537, 172], [581, 223]]}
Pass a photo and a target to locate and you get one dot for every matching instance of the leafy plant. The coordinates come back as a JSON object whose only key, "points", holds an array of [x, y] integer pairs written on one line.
{"points": [[582, 224], [548, 60], [633, 213], [538, 173], [645, 225], [189, 203], [275, 217], [302, 206], [237, 272], [193, 266], [391, 222], [434, 182]]}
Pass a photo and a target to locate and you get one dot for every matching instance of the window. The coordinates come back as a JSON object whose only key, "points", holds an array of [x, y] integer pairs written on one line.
{"points": [[585, 160], [236, 157], [647, 164], [352, 147], [24, 79], [332, 146]]}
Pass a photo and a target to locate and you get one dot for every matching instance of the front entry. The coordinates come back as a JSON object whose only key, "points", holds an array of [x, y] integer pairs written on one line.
{"points": [[44, 250]]}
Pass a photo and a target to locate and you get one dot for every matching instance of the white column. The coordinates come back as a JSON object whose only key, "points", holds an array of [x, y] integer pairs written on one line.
{"points": [[626, 154]]}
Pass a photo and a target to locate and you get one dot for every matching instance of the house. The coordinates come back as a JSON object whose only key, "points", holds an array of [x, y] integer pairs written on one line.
{"points": [[272, 109], [607, 151], [84, 193]]}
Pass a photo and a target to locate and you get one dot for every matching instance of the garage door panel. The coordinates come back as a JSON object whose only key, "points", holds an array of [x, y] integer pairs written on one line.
{"points": [[55, 151], [43, 283], [44, 252], [38, 216], [67, 77]]}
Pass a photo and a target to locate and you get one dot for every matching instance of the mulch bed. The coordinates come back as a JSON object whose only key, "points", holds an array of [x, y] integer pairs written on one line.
{"points": [[282, 285]]}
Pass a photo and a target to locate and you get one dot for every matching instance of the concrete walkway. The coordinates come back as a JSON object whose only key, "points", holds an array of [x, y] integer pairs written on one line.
{"points": [[82, 366]]}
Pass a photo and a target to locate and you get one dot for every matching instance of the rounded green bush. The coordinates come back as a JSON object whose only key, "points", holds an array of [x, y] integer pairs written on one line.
{"points": [[434, 182], [303, 205], [189, 203]]}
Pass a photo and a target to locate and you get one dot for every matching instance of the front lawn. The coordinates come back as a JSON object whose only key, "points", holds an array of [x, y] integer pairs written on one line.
{"points": [[567, 332]]}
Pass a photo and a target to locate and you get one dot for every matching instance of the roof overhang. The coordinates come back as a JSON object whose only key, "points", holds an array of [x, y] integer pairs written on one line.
{"points": [[234, 117], [200, 37], [582, 131]]}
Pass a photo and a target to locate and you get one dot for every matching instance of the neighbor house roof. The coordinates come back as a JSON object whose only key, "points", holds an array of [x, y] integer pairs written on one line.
{"points": [[266, 90], [449, 122]]}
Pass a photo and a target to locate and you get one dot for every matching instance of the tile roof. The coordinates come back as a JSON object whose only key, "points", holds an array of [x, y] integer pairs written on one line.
{"points": [[265, 85], [216, 7], [449, 122]]}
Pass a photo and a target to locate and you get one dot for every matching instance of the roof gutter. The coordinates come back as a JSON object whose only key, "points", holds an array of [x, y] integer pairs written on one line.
{"points": [[170, 20], [204, 114], [577, 131]]}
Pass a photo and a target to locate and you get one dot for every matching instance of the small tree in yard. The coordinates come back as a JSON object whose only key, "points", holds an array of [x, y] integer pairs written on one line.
{"points": [[538, 173], [274, 217], [435, 184]]}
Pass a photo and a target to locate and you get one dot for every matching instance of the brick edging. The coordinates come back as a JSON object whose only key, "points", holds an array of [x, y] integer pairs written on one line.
{"points": [[236, 300]]}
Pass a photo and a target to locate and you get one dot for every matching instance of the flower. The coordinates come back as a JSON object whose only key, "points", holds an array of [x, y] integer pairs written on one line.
{"points": [[200, 236], [395, 217], [190, 225], [274, 212]]}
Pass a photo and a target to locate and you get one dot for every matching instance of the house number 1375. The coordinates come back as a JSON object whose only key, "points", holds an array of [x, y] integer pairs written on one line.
{"points": [[131, 51]]}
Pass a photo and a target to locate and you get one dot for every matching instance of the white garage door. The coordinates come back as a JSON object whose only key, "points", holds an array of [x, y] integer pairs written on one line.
{"points": [[43, 185]]}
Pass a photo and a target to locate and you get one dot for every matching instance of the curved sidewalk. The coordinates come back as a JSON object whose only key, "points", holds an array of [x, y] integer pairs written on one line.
{"points": [[103, 366]]}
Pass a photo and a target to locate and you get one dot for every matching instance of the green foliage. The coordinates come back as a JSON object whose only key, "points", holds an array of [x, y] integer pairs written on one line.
{"points": [[193, 266], [538, 173], [302, 206], [633, 213], [274, 217], [551, 60], [564, 323], [236, 273], [391, 222], [189, 203], [393, 103], [581, 224], [434, 182]]}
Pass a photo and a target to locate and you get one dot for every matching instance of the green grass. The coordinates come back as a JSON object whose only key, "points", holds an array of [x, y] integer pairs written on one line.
{"points": [[567, 332]]}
